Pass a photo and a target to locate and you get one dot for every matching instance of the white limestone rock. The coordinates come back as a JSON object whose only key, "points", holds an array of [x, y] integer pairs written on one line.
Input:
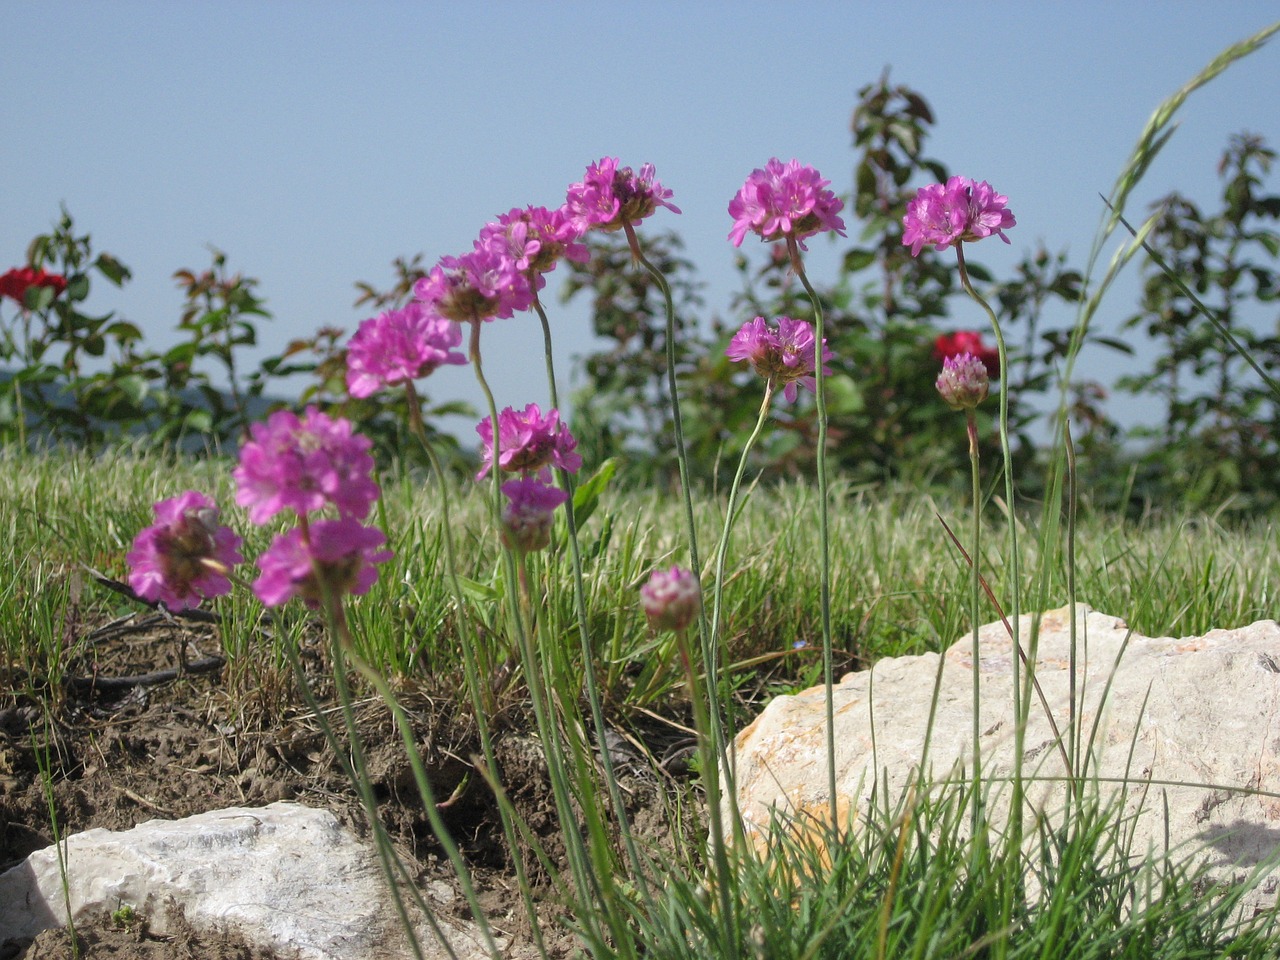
{"points": [[1211, 716], [286, 876]]}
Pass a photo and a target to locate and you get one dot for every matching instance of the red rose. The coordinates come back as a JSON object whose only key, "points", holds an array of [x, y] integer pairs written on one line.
{"points": [[967, 341], [15, 283]]}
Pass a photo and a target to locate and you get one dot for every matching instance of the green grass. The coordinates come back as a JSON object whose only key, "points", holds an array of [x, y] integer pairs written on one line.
{"points": [[902, 885], [898, 584]]}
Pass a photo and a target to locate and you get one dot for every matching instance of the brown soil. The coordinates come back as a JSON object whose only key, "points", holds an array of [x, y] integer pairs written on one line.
{"points": [[118, 754]]}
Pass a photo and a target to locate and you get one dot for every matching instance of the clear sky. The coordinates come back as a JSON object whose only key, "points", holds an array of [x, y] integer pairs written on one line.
{"points": [[315, 141]]}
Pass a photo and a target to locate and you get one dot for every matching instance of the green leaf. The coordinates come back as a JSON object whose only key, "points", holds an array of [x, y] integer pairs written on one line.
{"points": [[77, 287], [479, 592], [112, 269], [587, 497], [39, 298], [858, 259]]}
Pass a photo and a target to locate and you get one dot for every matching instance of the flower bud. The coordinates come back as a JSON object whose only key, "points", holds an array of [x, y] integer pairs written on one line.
{"points": [[964, 382], [671, 598]]}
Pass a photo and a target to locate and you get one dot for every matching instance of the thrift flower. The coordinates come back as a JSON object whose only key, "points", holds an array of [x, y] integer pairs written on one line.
{"points": [[529, 442], [963, 381], [484, 284], [185, 555], [526, 520], [334, 556], [785, 355], [536, 238], [400, 346], [15, 283], [304, 465], [671, 598], [609, 196], [967, 341], [785, 200], [950, 213]]}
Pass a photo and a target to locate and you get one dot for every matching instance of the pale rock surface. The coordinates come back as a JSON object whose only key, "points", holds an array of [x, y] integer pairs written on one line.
{"points": [[1204, 710], [286, 876]]}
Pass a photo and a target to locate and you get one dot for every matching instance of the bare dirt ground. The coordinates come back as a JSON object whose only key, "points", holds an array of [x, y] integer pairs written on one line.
{"points": [[121, 742]]}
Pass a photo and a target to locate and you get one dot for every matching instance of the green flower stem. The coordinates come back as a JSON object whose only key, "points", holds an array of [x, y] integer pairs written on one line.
{"points": [[975, 610], [682, 457], [584, 877], [483, 698], [1021, 697], [722, 550], [824, 537], [565, 482]]}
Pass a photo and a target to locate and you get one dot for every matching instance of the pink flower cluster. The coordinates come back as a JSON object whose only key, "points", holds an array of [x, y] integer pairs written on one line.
{"points": [[528, 515], [536, 238], [336, 557], [305, 465], [185, 555], [504, 269], [528, 442], [951, 213], [400, 346], [785, 200], [609, 196], [785, 354]]}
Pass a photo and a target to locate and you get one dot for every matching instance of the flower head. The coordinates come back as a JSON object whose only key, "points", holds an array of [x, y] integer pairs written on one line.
{"points": [[304, 465], [536, 238], [967, 341], [334, 557], [950, 213], [484, 284], [527, 518], [185, 555], [399, 346], [784, 200], [528, 442], [963, 382], [609, 196], [671, 598], [15, 283], [785, 355]]}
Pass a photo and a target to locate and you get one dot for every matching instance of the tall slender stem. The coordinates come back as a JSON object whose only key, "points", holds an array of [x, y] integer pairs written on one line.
{"points": [[824, 537], [1021, 697], [584, 632], [975, 611]]}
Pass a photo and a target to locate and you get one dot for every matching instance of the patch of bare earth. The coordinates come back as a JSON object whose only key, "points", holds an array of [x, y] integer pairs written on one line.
{"points": [[179, 738]]}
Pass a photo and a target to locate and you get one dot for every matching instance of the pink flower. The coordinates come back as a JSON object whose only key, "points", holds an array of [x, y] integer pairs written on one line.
{"points": [[535, 238], [609, 196], [399, 346], [963, 382], [784, 200], [671, 599], [529, 442], [15, 283], [526, 520], [336, 557], [484, 284], [185, 555], [304, 465], [785, 355], [952, 213], [967, 341]]}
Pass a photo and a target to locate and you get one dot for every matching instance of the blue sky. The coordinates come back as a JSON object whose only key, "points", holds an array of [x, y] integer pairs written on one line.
{"points": [[315, 141]]}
